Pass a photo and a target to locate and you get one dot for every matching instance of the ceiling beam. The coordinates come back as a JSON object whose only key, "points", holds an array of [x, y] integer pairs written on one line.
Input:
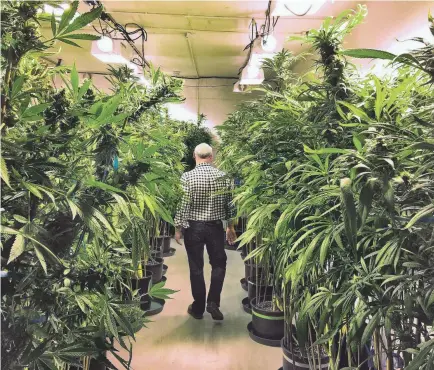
{"points": [[222, 17], [171, 31], [54, 62]]}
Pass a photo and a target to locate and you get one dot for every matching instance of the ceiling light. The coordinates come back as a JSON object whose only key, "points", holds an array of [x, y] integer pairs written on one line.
{"points": [[252, 75], [258, 58], [258, 55], [237, 87], [138, 72], [105, 44], [252, 71], [144, 81], [58, 11], [134, 67], [113, 57], [110, 58], [50, 10], [268, 43], [291, 8], [181, 112]]}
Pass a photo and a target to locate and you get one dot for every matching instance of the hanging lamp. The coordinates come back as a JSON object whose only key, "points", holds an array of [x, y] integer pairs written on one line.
{"points": [[105, 44], [268, 43], [114, 55], [238, 88], [258, 55], [252, 75]]}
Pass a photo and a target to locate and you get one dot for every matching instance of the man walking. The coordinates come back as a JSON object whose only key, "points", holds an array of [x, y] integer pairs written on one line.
{"points": [[207, 200]]}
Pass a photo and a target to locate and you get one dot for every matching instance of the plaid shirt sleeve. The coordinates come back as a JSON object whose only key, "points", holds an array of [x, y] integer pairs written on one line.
{"points": [[183, 212], [229, 202]]}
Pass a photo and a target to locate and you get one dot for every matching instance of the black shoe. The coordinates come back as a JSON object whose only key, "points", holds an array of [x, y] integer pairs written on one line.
{"points": [[214, 311], [193, 314]]}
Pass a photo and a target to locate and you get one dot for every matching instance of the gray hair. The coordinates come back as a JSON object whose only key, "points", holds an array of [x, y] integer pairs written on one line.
{"points": [[203, 151]]}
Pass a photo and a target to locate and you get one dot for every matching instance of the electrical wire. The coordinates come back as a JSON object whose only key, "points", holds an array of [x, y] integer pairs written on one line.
{"points": [[270, 23], [299, 15], [266, 29], [111, 28]]}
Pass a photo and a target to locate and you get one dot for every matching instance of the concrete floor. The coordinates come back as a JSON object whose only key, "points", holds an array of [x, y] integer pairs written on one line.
{"points": [[176, 341]]}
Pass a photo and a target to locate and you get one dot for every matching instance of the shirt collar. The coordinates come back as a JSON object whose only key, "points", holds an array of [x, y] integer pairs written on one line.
{"points": [[203, 164]]}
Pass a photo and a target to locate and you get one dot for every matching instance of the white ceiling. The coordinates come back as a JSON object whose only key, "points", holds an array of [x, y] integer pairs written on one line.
{"points": [[218, 31]]}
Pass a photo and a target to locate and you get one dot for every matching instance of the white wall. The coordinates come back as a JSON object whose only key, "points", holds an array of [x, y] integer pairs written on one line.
{"points": [[213, 97]]}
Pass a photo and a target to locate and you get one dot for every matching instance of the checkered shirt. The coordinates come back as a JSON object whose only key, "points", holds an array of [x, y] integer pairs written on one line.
{"points": [[207, 196]]}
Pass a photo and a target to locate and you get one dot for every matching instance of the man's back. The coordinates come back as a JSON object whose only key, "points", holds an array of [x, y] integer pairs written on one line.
{"points": [[207, 200], [207, 195]]}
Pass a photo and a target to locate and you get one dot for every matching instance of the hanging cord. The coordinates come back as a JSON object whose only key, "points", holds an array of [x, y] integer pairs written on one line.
{"points": [[270, 23], [110, 28], [253, 35], [266, 29], [299, 15]]}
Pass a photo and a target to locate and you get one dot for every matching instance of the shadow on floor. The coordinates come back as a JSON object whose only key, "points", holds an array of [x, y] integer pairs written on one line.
{"points": [[201, 331]]}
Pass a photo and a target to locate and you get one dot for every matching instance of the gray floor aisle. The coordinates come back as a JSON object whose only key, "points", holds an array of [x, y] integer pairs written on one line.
{"points": [[176, 341]]}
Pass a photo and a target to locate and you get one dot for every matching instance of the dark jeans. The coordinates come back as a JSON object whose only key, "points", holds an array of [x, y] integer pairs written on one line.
{"points": [[195, 237]]}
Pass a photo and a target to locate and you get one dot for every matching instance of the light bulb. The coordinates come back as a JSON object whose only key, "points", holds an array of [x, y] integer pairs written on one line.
{"points": [[269, 43], [105, 44], [51, 9], [252, 71]]}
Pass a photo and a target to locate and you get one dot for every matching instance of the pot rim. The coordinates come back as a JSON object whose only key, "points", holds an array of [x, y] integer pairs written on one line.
{"points": [[301, 361], [148, 274], [160, 260], [264, 312], [249, 281]]}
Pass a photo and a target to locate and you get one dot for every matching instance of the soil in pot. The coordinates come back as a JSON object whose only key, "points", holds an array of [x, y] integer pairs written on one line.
{"points": [[143, 285], [295, 361], [155, 265], [163, 243], [267, 320], [260, 289]]}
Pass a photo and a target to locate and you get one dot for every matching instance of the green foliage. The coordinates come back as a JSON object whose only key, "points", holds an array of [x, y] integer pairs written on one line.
{"points": [[82, 172], [195, 134], [421, 58], [337, 181]]}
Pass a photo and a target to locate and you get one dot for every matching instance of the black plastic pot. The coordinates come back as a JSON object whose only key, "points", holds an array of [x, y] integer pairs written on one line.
{"points": [[93, 365], [297, 362], [253, 288], [251, 269], [267, 324], [157, 270], [157, 253], [246, 249], [143, 284], [163, 242]]}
